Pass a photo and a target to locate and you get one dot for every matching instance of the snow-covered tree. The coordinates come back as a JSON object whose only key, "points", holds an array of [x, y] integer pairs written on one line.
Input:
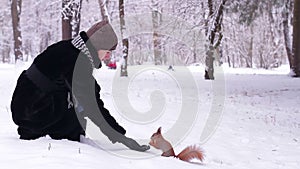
{"points": [[125, 41], [296, 39], [5, 32], [71, 14], [214, 34], [157, 40], [44, 28], [16, 6], [256, 34], [103, 10], [287, 23]]}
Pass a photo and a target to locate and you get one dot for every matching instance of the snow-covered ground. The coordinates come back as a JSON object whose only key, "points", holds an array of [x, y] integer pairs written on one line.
{"points": [[259, 125]]}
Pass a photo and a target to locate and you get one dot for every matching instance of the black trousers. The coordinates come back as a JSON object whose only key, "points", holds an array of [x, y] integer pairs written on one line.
{"points": [[38, 113]]}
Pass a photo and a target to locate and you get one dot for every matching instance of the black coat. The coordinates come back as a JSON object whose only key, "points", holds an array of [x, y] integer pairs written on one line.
{"points": [[38, 112]]}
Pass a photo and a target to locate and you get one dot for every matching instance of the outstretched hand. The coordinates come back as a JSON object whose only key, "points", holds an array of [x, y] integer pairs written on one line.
{"points": [[133, 145]]}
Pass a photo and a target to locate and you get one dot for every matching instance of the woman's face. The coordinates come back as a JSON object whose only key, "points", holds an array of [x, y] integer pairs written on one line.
{"points": [[103, 53]]}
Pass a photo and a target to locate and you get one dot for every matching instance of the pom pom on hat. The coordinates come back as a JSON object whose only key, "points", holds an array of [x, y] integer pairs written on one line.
{"points": [[102, 36]]}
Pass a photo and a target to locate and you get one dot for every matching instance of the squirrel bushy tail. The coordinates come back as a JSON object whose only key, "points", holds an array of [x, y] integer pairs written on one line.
{"points": [[191, 152]]}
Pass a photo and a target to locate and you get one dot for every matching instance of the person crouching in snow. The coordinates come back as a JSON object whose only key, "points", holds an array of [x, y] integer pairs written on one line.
{"points": [[54, 95]]}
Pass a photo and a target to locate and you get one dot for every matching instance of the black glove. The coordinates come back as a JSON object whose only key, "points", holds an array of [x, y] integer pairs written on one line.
{"points": [[132, 144]]}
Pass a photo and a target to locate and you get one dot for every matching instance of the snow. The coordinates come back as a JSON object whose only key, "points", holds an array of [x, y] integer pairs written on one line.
{"points": [[259, 125]]}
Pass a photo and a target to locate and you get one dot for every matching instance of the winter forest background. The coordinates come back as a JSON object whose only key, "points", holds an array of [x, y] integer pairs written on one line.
{"points": [[254, 104], [242, 33]]}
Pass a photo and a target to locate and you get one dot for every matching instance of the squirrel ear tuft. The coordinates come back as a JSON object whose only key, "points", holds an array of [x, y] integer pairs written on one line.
{"points": [[159, 130]]}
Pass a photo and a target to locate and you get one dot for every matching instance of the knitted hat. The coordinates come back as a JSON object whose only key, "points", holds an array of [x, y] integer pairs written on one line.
{"points": [[102, 36]]}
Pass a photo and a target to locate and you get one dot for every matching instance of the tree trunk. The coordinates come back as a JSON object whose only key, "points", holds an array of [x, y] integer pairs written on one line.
{"points": [[214, 42], [6, 51], [157, 46], [209, 62], [250, 54], [296, 38], [286, 31], [209, 69], [125, 42], [66, 20], [76, 18], [15, 13], [70, 18], [103, 10]]}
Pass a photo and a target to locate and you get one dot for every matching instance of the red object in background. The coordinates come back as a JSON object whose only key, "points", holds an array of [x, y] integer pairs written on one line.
{"points": [[109, 62], [112, 65]]}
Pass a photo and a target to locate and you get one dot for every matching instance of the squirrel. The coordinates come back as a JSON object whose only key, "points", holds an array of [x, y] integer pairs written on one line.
{"points": [[189, 153]]}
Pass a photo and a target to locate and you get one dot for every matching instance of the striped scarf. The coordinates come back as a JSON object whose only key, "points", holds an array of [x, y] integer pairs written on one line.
{"points": [[79, 44]]}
